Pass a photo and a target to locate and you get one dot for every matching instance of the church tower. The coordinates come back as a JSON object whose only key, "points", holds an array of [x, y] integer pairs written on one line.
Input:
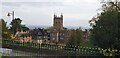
{"points": [[58, 22]]}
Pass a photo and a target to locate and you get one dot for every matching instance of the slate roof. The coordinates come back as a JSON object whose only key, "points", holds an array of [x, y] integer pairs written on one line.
{"points": [[39, 32]]}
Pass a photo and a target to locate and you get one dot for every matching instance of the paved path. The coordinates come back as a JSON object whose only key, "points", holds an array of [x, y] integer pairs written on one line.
{"points": [[10, 52]]}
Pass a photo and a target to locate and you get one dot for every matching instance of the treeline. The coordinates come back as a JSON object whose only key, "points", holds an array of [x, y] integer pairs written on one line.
{"points": [[106, 26], [15, 26]]}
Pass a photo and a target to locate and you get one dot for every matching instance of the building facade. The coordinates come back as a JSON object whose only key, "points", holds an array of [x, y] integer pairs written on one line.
{"points": [[40, 34], [58, 33]]}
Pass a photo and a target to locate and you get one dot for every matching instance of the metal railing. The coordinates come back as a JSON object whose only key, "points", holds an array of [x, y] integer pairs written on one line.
{"points": [[78, 50]]}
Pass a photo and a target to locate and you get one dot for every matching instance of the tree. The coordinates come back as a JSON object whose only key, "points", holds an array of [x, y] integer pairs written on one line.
{"points": [[17, 26], [5, 32], [24, 28], [75, 39], [105, 31]]}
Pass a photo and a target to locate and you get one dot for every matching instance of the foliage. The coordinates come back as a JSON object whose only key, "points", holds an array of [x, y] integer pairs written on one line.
{"points": [[75, 39], [5, 32], [24, 28], [17, 26], [105, 32]]}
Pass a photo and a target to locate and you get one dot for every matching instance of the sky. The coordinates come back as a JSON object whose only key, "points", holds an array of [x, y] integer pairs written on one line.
{"points": [[40, 12]]}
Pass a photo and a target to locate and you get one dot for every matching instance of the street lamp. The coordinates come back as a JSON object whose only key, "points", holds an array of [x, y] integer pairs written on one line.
{"points": [[9, 14]]}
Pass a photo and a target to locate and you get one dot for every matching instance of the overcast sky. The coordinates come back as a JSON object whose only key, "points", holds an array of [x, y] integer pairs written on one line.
{"points": [[40, 12]]}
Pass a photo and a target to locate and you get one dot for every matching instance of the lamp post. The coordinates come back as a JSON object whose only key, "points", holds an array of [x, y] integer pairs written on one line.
{"points": [[9, 14]]}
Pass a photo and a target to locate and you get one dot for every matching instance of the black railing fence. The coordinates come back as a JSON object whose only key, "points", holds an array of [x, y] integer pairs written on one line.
{"points": [[60, 49]]}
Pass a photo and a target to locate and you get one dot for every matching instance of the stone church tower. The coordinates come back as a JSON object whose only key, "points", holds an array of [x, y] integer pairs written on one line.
{"points": [[58, 22], [57, 32]]}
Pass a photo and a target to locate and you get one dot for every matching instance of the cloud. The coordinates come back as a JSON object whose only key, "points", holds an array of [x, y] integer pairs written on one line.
{"points": [[32, 4], [40, 12], [0, 10], [11, 4], [35, 0]]}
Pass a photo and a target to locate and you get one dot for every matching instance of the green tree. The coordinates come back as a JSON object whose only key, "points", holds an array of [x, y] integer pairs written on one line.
{"points": [[4, 29], [17, 26], [75, 39], [105, 31], [24, 28]]}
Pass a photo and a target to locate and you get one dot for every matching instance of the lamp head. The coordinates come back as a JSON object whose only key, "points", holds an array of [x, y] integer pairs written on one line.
{"points": [[8, 14]]}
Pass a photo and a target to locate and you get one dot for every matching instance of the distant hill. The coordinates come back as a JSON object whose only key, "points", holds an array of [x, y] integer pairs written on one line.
{"points": [[45, 27], [35, 26]]}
